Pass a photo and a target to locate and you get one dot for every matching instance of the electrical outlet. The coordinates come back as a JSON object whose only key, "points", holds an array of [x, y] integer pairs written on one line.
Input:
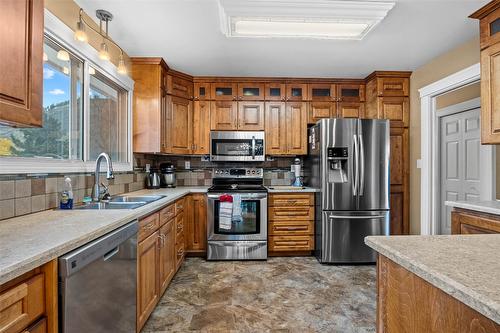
{"points": [[148, 167], [187, 165]]}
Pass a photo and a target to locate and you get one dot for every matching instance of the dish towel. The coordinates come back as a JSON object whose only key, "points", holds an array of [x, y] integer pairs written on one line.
{"points": [[225, 212], [237, 208]]}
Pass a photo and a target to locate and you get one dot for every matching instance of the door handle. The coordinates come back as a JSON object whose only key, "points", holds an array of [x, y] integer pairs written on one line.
{"points": [[356, 166], [356, 217], [253, 147], [362, 166], [111, 253]]}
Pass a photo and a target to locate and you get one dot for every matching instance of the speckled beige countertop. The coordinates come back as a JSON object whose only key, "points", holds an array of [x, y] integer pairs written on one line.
{"points": [[466, 267], [491, 207], [29, 241]]}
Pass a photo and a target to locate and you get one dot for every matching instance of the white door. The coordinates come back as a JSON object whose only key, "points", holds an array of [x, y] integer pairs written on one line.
{"points": [[460, 150]]}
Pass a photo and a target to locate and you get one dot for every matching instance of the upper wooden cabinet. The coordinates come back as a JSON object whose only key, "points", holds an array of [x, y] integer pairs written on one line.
{"points": [[180, 125], [348, 92], [320, 110], [223, 115], [489, 17], [250, 91], [21, 64], [224, 91], [251, 116], [201, 127], [322, 92], [296, 92], [179, 84], [202, 91], [275, 92], [350, 109], [286, 128], [276, 133]]}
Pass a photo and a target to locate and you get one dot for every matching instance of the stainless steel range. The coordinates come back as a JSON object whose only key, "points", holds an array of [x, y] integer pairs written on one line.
{"points": [[244, 238]]}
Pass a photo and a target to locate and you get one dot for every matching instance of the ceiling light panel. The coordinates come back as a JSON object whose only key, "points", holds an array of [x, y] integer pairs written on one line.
{"points": [[325, 19]]}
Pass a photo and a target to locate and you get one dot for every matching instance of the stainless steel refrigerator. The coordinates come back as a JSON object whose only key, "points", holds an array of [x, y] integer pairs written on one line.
{"points": [[349, 162]]}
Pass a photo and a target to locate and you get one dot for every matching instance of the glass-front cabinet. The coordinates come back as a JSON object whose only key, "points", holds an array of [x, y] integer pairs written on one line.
{"points": [[202, 91], [296, 92], [224, 91], [248, 91], [275, 92], [322, 92]]}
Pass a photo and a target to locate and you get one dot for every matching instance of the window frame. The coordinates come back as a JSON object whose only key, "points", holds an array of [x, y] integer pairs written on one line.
{"points": [[61, 34]]}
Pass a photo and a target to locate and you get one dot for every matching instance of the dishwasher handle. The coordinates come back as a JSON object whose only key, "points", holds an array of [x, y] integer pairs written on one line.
{"points": [[104, 248]]}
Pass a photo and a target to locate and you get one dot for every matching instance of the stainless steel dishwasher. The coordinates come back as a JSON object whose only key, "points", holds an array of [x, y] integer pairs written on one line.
{"points": [[97, 284]]}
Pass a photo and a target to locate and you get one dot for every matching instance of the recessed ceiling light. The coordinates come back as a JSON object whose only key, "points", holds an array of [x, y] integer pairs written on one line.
{"points": [[332, 19]]}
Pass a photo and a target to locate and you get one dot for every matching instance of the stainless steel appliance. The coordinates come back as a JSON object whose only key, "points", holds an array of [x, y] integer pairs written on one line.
{"points": [[153, 179], [349, 161], [247, 238], [97, 289], [167, 175], [237, 146]]}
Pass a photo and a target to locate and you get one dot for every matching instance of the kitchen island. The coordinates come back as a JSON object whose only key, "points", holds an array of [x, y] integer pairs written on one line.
{"points": [[438, 283]]}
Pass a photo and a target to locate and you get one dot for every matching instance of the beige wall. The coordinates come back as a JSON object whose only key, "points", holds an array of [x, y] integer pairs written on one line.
{"points": [[67, 11], [453, 61], [458, 96]]}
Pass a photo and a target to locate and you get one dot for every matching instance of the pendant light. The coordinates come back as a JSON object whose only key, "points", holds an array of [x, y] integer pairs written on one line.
{"points": [[122, 69], [63, 55], [104, 52], [80, 33]]}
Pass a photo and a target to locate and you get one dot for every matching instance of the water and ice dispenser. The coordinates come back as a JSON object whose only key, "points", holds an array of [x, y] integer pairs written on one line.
{"points": [[337, 164]]}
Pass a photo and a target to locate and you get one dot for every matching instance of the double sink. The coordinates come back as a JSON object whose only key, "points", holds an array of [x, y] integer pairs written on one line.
{"points": [[122, 202]]}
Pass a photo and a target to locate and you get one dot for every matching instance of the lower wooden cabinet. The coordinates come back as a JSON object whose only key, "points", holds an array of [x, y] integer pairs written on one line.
{"points": [[471, 222], [28, 303], [167, 258], [407, 303], [291, 223], [196, 224]]}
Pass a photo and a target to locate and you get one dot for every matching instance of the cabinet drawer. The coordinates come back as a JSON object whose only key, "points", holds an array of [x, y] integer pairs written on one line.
{"points": [[179, 206], [22, 304], [179, 226], [291, 243], [291, 228], [291, 213], [148, 225], [166, 214], [285, 200], [38, 327]]}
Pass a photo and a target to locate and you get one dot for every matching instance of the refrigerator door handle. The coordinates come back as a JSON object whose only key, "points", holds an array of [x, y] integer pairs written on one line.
{"points": [[356, 166], [362, 166], [356, 217]]}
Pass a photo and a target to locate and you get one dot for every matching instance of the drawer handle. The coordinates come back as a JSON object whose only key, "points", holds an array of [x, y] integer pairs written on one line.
{"points": [[180, 252], [13, 296], [180, 207], [149, 226], [290, 228]]}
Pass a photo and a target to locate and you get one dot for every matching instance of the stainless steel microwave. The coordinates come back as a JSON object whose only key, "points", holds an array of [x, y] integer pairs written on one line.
{"points": [[238, 146]]}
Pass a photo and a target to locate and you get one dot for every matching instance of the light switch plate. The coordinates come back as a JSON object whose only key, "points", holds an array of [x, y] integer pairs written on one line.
{"points": [[187, 165], [419, 164]]}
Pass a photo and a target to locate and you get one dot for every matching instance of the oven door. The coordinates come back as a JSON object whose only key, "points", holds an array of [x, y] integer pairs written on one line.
{"points": [[237, 146], [253, 225]]}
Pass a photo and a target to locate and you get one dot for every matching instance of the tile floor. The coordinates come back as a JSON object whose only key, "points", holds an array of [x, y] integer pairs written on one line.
{"points": [[280, 295]]}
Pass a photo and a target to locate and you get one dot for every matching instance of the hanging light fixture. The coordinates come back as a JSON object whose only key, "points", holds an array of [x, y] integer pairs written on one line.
{"points": [[80, 33], [63, 55], [91, 70], [45, 57]]}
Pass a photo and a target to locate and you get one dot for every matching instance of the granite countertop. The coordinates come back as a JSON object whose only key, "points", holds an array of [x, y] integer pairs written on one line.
{"points": [[29, 241], [291, 189], [491, 207], [464, 266]]}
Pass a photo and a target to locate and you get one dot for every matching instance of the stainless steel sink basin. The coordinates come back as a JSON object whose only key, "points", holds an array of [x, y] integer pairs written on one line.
{"points": [[137, 198], [111, 205]]}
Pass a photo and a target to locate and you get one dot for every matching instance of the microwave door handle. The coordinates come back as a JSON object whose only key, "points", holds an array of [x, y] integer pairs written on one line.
{"points": [[253, 147]]}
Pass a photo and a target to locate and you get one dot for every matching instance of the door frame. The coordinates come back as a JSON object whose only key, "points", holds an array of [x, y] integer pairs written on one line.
{"points": [[430, 174]]}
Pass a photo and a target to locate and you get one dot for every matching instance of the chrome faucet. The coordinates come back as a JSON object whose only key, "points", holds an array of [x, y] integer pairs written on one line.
{"points": [[96, 191]]}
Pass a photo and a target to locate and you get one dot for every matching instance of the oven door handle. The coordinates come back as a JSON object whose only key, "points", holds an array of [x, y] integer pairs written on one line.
{"points": [[253, 147], [214, 197]]}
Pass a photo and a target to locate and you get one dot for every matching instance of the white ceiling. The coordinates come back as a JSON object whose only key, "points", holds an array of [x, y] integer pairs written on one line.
{"points": [[186, 33]]}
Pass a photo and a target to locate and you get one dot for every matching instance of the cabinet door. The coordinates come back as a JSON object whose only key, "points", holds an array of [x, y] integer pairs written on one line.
{"points": [[275, 92], [39, 327], [350, 109], [490, 95], [21, 65], [166, 255], [320, 110], [202, 91], [251, 116], [397, 226], [224, 91], [224, 116], [196, 224], [165, 117], [322, 92], [250, 91], [147, 276], [393, 86], [399, 156], [201, 127], [276, 135], [396, 109], [181, 125], [296, 128], [350, 92], [296, 92], [179, 87]]}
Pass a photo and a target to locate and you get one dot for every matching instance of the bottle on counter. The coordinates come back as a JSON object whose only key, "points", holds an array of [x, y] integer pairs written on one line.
{"points": [[66, 199]]}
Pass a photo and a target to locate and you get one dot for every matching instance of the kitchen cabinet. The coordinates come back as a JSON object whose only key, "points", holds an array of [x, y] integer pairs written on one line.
{"points": [[202, 91], [286, 128], [296, 92], [250, 91], [489, 28], [224, 116], [180, 85], [201, 127], [21, 82], [399, 180], [166, 256], [322, 92], [180, 125], [350, 92], [408, 303], [224, 91], [251, 116], [28, 303], [196, 224], [275, 91], [291, 223], [179, 232], [471, 222], [350, 109], [320, 110]]}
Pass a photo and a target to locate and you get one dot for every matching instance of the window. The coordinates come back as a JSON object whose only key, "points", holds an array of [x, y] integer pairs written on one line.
{"points": [[61, 135], [86, 111]]}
